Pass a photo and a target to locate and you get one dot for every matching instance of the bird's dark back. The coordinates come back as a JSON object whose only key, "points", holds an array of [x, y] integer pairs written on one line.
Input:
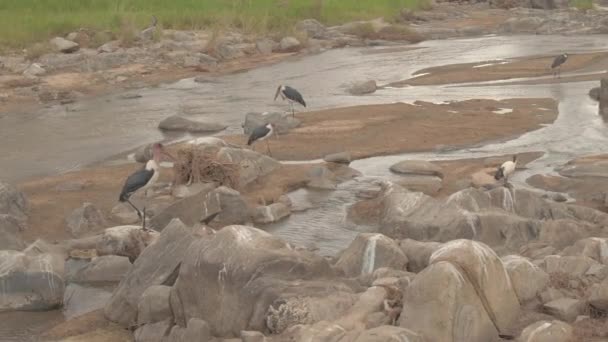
{"points": [[135, 181], [257, 133], [559, 60], [294, 95]]}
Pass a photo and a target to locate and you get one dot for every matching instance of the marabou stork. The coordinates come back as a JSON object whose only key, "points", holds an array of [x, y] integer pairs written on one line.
{"points": [[291, 95], [557, 63], [261, 133], [506, 170]]}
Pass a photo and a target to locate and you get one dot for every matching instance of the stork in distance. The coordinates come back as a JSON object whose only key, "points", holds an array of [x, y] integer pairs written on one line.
{"points": [[291, 95], [143, 179], [506, 170], [557, 64], [261, 133]]}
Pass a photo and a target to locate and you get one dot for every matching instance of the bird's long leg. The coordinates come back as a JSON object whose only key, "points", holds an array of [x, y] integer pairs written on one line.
{"points": [[143, 221], [268, 147], [293, 112], [134, 207]]}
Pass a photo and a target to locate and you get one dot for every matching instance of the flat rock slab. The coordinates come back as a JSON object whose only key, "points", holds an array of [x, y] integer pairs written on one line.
{"points": [[178, 123], [430, 185], [417, 167]]}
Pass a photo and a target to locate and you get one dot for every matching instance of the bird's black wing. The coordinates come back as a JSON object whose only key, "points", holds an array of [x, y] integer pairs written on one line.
{"points": [[499, 173], [294, 95], [135, 181], [258, 132], [559, 60]]}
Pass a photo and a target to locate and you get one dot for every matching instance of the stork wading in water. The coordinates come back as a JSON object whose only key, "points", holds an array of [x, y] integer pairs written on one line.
{"points": [[557, 63], [506, 170], [291, 95], [143, 179], [261, 133]]}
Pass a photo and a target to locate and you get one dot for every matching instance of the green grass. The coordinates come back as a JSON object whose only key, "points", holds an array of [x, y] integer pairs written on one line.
{"points": [[582, 4], [23, 22]]}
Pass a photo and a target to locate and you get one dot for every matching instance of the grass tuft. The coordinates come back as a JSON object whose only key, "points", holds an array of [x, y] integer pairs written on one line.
{"points": [[582, 4]]}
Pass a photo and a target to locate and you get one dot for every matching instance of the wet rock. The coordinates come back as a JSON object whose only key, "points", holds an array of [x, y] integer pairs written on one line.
{"points": [[234, 209], [369, 252], [312, 28], [418, 253], [528, 279], [190, 210], [157, 265], [320, 177], [10, 233], [362, 88], [250, 163], [429, 185], [155, 332], [154, 305], [85, 219], [545, 331], [64, 45], [178, 123], [565, 309], [270, 213], [79, 300], [340, 158], [289, 44], [266, 46], [34, 70], [417, 167], [282, 123], [239, 273], [103, 269], [13, 202], [110, 46], [31, 281]]}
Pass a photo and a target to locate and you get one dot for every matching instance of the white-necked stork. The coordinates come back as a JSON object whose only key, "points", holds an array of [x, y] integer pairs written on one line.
{"points": [[261, 133], [506, 170], [291, 95], [143, 179], [557, 63]]}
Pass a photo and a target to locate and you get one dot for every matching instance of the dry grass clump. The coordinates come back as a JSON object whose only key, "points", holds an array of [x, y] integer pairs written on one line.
{"points": [[200, 165]]}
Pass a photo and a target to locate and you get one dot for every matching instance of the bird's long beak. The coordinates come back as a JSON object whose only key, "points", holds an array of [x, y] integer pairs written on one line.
{"points": [[277, 93]]}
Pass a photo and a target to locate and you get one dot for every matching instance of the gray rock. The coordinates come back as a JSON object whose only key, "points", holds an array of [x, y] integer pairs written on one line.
{"points": [[155, 266], [199, 60], [64, 45], [417, 167], [34, 70], [155, 332], [110, 46], [545, 331], [266, 46], [270, 213], [418, 253], [340, 158], [226, 49], [234, 209], [369, 252], [190, 210], [362, 88], [429, 185], [154, 305], [251, 164], [565, 309], [108, 60], [197, 330], [13, 202], [388, 333], [252, 336], [128, 241], [289, 44], [599, 295], [282, 123], [528, 279], [522, 25], [79, 300], [320, 177], [31, 281], [85, 219], [10, 233], [123, 213], [103, 269], [56, 61], [312, 28], [178, 123]]}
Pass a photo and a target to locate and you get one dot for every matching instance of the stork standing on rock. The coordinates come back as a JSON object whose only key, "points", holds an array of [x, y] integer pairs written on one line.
{"points": [[557, 63], [506, 170], [261, 133], [143, 179], [291, 95]]}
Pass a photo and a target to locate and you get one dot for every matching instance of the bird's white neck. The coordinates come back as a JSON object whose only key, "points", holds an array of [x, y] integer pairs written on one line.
{"points": [[152, 165]]}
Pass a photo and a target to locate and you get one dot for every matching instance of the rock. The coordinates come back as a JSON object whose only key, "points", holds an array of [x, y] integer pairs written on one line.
{"points": [[574, 266], [266, 46], [598, 297], [282, 123], [103, 269], [13, 202], [252, 336], [155, 266], [289, 44], [429, 185], [594, 248], [251, 164], [528, 279], [64, 45], [369, 252], [123, 213], [79, 300], [270, 213], [128, 241], [417, 167], [208, 141], [85, 219], [483, 178], [34, 70], [245, 274], [566, 309], [10, 233], [110, 46], [155, 332], [234, 209], [418, 253], [154, 305], [225, 49], [197, 330], [178, 123], [522, 25], [31, 281], [545, 331], [594, 93], [199, 60], [312, 28], [190, 210], [320, 177], [362, 88], [340, 158], [388, 333]]}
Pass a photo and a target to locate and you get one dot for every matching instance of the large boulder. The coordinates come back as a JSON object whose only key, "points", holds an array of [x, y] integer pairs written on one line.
{"points": [[191, 209], [79, 300], [565, 309], [31, 280], [281, 123], [233, 208], [128, 241], [154, 305], [369, 252], [418, 253], [233, 278], [270, 213], [13, 202], [157, 265], [103, 269], [290, 44], [528, 279], [362, 88], [179, 123], [251, 164], [417, 167], [85, 219]]}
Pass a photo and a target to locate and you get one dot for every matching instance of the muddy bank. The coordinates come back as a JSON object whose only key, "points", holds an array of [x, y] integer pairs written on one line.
{"points": [[396, 128], [507, 69]]}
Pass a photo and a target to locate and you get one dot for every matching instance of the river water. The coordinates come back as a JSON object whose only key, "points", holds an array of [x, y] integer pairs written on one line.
{"points": [[66, 137]]}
